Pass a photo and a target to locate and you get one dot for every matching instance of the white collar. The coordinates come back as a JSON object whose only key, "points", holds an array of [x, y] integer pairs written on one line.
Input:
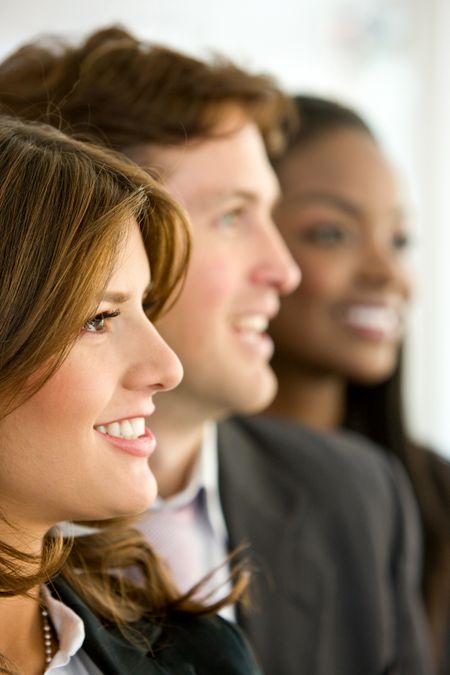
{"points": [[204, 477], [69, 629]]}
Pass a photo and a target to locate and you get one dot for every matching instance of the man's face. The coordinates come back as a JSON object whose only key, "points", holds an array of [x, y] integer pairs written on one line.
{"points": [[239, 268]]}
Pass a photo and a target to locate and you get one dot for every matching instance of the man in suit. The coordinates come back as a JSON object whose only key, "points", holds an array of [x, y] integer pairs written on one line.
{"points": [[331, 529]]}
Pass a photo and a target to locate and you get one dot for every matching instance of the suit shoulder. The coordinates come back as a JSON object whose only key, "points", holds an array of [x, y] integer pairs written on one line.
{"points": [[295, 448]]}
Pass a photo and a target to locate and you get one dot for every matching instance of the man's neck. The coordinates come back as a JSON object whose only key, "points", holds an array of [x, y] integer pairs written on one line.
{"points": [[178, 449]]}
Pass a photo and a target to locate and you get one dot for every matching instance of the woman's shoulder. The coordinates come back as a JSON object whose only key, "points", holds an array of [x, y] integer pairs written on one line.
{"points": [[209, 643], [181, 643]]}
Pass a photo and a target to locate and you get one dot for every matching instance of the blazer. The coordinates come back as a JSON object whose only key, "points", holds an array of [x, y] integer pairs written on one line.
{"points": [[183, 645], [334, 546]]}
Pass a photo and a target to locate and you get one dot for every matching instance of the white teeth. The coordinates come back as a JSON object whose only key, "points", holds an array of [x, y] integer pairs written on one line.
{"points": [[130, 429], [254, 322], [383, 319], [138, 425], [126, 430], [113, 429]]}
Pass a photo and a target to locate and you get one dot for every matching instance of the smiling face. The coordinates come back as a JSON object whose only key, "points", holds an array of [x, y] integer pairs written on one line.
{"points": [[238, 269], [341, 217], [77, 448]]}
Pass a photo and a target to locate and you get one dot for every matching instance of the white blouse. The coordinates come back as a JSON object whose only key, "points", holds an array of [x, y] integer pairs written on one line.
{"points": [[70, 658]]}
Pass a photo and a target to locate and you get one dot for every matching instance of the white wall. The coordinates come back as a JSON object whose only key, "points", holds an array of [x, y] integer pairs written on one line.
{"points": [[387, 57]]}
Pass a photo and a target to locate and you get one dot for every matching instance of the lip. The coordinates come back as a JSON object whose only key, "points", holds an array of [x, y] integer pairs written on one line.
{"points": [[268, 310], [254, 342], [143, 446], [144, 413], [376, 321]]}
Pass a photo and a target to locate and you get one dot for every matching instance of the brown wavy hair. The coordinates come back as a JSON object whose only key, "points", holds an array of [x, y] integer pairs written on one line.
{"points": [[65, 208], [128, 93]]}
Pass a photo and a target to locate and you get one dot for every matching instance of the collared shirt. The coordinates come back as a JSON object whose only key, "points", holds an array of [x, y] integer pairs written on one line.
{"points": [[208, 531], [70, 658]]}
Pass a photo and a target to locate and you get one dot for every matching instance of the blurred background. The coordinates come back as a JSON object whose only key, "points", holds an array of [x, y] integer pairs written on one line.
{"points": [[388, 58]]}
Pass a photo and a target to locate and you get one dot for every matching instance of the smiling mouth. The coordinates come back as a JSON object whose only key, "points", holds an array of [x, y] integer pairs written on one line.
{"points": [[251, 332], [255, 323], [384, 321], [129, 429]]}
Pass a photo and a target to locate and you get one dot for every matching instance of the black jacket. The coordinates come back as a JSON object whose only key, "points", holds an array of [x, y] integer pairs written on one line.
{"points": [[335, 549], [183, 646]]}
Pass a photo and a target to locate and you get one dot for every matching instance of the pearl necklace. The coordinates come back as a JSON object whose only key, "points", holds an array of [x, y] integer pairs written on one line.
{"points": [[47, 635]]}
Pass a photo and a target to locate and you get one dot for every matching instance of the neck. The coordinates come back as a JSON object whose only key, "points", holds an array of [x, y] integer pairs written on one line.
{"points": [[314, 399], [179, 445], [178, 423], [21, 633]]}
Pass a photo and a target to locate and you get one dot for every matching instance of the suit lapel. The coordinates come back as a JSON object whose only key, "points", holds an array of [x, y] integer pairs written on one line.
{"points": [[107, 647], [269, 510]]}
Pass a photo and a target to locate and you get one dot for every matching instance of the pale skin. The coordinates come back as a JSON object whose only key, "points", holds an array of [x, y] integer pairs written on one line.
{"points": [[239, 269], [343, 219], [70, 470]]}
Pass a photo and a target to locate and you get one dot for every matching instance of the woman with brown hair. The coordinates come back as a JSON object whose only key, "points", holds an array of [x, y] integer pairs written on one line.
{"points": [[338, 337], [90, 248]]}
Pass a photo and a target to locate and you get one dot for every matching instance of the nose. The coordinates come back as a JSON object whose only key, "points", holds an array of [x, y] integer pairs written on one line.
{"points": [[275, 266], [155, 365], [379, 266]]}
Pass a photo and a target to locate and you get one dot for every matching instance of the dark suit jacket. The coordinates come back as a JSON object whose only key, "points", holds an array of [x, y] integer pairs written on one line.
{"points": [[183, 646], [334, 543]]}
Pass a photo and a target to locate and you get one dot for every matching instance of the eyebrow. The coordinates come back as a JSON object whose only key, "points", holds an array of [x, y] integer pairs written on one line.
{"points": [[232, 194], [119, 298], [341, 203], [329, 199], [115, 297], [247, 195]]}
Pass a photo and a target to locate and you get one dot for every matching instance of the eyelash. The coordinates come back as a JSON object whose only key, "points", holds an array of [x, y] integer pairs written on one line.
{"points": [[402, 242], [325, 234], [102, 317], [149, 307], [234, 214]]}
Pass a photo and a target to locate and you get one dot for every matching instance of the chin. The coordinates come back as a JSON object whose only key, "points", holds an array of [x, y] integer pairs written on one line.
{"points": [[371, 376], [259, 394], [136, 500]]}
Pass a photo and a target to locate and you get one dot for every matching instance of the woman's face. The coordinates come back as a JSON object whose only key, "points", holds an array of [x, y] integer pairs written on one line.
{"points": [[342, 218], [78, 448]]}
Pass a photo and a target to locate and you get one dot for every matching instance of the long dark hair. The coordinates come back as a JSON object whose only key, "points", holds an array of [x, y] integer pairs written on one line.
{"points": [[377, 411]]}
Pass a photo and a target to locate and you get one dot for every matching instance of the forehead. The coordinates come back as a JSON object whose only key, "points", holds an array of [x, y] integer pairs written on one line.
{"points": [[232, 163], [132, 265], [344, 159]]}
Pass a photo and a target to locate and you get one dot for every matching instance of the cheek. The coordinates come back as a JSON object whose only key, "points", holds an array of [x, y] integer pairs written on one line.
{"points": [[407, 281], [320, 279], [49, 432], [210, 287], [199, 315], [77, 393]]}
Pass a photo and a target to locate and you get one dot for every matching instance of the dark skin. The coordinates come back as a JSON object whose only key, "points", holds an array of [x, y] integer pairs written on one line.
{"points": [[342, 218]]}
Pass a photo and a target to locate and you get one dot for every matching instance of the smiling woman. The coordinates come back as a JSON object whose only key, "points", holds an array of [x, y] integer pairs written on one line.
{"points": [[338, 337], [90, 247], [101, 390]]}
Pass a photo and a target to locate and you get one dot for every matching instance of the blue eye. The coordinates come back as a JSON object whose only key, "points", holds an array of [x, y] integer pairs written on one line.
{"points": [[98, 322], [229, 218]]}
